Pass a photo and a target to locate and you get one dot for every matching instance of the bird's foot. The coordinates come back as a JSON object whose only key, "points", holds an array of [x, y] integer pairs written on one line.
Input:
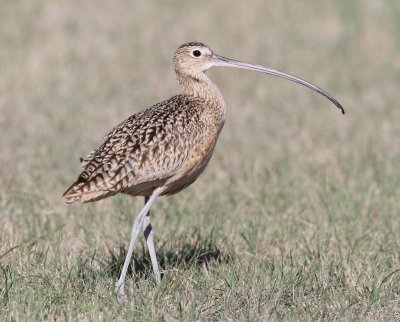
{"points": [[120, 292], [157, 276], [119, 288]]}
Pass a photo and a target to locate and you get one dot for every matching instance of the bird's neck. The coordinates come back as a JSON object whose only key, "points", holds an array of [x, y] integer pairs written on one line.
{"points": [[199, 85]]}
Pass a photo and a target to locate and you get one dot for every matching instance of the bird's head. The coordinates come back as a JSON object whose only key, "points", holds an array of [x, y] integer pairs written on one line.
{"points": [[194, 58]]}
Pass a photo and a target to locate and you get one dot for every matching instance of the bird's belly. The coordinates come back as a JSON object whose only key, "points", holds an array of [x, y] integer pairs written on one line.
{"points": [[193, 166]]}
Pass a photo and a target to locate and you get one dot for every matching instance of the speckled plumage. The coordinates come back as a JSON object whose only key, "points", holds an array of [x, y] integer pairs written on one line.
{"points": [[167, 145], [163, 149]]}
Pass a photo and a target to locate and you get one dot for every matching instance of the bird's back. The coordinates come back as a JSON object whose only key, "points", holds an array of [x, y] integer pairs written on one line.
{"points": [[154, 148]]}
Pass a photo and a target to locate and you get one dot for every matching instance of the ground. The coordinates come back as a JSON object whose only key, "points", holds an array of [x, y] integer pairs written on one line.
{"points": [[295, 218]]}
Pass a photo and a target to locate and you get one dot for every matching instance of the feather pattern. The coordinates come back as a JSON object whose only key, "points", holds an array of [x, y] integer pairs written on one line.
{"points": [[145, 151]]}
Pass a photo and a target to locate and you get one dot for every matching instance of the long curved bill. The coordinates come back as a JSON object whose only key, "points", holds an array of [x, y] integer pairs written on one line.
{"points": [[227, 62]]}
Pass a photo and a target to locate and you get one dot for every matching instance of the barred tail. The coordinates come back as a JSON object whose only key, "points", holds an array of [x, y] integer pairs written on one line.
{"points": [[74, 191], [82, 191]]}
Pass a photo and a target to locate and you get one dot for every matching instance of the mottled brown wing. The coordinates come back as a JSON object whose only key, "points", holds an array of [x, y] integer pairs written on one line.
{"points": [[144, 150]]}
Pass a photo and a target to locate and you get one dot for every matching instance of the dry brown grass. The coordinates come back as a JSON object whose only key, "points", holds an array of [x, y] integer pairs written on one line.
{"points": [[303, 202]]}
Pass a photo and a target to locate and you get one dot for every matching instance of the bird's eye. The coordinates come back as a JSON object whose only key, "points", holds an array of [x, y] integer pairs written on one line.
{"points": [[196, 53]]}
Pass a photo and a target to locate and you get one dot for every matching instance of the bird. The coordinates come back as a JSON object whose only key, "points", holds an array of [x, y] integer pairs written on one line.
{"points": [[163, 149]]}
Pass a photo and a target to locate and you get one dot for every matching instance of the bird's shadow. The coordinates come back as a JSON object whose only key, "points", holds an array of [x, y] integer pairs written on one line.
{"points": [[174, 253]]}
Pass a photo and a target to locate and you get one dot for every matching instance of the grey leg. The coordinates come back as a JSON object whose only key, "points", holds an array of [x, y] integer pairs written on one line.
{"points": [[137, 225], [148, 234]]}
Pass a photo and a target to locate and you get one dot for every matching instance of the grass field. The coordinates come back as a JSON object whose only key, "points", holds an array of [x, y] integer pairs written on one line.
{"points": [[297, 216]]}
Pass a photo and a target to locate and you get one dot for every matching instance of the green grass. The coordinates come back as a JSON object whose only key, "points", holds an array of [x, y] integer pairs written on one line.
{"points": [[295, 218]]}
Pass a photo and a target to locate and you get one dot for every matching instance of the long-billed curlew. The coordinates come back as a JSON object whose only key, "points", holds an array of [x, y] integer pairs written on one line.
{"points": [[165, 148]]}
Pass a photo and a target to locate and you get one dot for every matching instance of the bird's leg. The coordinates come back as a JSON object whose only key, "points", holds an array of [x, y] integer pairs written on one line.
{"points": [[137, 225], [148, 234]]}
